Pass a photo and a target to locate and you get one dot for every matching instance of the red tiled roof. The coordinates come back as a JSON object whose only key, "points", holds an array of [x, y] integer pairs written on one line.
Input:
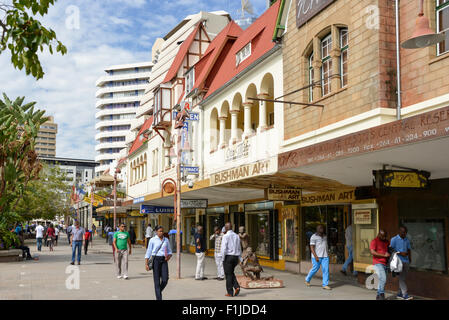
{"points": [[173, 71], [215, 48], [137, 143], [260, 35]]}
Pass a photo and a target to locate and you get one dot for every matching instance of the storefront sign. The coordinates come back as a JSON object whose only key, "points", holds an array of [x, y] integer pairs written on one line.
{"points": [[283, 194], [146, 209], [401, 179], [245, 171], [135, 213], [190, 170], [97, 200], [193, 203], [307, 9], [426, 126], [322, 198], [362, 216], [192, 116], [138, 200], [238, 151]]}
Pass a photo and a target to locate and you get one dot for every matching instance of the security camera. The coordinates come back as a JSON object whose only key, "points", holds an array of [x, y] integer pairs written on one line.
{"points": [[190, 184]]}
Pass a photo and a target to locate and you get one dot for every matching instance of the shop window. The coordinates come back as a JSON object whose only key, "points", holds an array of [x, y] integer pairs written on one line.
{"points": [[259, 231], [333, 219], [344, 46], [442, 12], [213, 220], [311, 77], [190, 230], [326, 68]]}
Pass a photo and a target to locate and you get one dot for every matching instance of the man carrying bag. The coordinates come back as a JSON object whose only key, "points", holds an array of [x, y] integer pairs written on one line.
{"points": [[156, 258]]}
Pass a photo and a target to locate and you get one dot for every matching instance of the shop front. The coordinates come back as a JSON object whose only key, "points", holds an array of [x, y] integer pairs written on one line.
{"points": [[189, 229], [137, 223], [215, 217]]}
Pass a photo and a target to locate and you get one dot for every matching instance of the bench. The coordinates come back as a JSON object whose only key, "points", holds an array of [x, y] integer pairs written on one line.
{"points": [[10, 255]]}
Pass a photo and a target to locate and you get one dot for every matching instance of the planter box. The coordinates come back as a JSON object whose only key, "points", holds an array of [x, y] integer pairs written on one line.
{"points": [[10, 255]]}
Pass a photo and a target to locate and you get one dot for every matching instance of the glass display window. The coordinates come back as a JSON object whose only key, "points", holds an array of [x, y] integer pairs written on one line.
{"points": [[190, 228], [213, 220], [259, 232], [365, 229], [290, 233]]}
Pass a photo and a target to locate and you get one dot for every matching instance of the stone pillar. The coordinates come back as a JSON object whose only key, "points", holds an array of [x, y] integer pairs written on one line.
{"points": [[222, 142], [335, 55], [317, 64], [247, 119], [262, 112], [234, 126]]}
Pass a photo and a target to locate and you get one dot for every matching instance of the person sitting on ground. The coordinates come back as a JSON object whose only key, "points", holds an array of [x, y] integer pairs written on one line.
{"points": [[19, 244]]}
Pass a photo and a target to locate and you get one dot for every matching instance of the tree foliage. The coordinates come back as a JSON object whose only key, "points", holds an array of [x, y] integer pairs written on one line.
{"points": [[24, 35]]}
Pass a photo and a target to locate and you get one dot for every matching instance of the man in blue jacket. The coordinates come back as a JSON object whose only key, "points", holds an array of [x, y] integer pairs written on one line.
{"points": [[401, 244]]}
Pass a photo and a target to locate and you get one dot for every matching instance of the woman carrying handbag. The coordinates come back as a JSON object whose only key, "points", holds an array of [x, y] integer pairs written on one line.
{"points": [[156, 259]]}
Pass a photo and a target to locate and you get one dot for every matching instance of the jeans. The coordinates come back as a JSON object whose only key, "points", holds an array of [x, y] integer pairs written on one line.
{"points": [[121, 262], [219, 263], [402, 277], [324, 264], [200, 265], [380, 270], [77, 245], [160, 275], [348, 261], [229, 265], [39, 244]]}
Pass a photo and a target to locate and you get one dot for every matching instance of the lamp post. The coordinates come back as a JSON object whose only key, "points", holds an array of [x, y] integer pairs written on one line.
{"points": [[117, 170]]}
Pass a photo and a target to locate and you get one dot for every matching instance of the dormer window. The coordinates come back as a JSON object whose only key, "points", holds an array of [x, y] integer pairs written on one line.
{"points": [[190, 80], [244, 53]]}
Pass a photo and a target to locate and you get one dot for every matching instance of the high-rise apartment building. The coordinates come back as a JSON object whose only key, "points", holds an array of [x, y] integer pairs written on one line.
{"points": [[46, 139], [118, 96]]}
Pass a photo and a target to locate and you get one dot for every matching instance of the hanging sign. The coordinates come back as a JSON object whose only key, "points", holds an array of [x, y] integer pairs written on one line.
{"points": [[193, 203], [285, 194], [401, 179], [362, 216], [307, 9], [323, 198], [146, 209]]}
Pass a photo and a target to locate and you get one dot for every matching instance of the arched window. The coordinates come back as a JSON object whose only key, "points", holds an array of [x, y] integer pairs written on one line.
{"points": [[344, 46], [326, 68], [311, 77]]}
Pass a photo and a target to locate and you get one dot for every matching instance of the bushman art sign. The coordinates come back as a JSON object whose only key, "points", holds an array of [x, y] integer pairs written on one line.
{"points": [[307, 9]]}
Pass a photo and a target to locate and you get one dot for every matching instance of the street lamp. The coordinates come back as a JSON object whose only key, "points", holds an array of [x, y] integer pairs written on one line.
{"points": [[423, 35], [117, 170]]}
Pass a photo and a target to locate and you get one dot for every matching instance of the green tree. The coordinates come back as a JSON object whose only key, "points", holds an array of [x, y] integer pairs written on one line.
{"points": [[46, 197], [24, 35]]}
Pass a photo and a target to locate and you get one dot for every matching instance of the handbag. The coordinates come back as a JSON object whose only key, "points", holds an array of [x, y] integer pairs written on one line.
{"points": [[151, 260]]}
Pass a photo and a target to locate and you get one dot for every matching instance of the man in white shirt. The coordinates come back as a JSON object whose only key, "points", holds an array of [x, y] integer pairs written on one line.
{"points": [[39, 236], [231, 252], [148, 234], [320, 257], [56, 235]]}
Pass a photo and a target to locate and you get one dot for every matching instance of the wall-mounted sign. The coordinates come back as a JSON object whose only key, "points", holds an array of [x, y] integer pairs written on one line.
{"points": [[146, 209], [323, 198], [283, 194], [258, 168], [422, 127], [401, 179], [138, 200], [362, 216], [192, 116], [307, 9], [190, 170], [237, 151], [97, 200], [193, 203]]}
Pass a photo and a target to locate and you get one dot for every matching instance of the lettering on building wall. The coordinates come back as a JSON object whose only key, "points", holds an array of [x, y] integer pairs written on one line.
{"points": [[307, 9], [238, 151], [244, 171], [283, 194], [314, 199], [427, 126], [362, 216]]}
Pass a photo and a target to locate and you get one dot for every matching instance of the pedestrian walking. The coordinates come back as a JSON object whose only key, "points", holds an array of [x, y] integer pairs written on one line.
{"points": [[87, 239], [218, 237], [379, 250], [77, 242], [107, 229], [57, 230], [159, 248], [50, 236], [320, 258], [122, 246], [39, 236], [348, 238], [69, 233], [132, 236], [200, 252], [148, 235], [231, 252], [401, 244]]}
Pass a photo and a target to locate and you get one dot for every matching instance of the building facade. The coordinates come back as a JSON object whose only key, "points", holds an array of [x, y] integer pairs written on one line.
{"points": [[46, 139], [118, 97]]}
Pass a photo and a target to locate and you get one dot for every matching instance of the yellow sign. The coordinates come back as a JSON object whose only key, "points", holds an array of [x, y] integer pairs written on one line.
{"points": [[283, 194], [135, 213], [323, 198], [398, 179], [97, 200], [362, 216]]}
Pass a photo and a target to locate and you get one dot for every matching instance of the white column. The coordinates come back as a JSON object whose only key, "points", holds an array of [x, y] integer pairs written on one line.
{"points": [[234, 126], [262, 112], [222, 142], [247, 119]]}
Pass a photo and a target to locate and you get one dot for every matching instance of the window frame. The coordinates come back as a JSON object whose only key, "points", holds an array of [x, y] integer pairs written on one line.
{"points": [[240, 57], [311, 74], [440, 6], [344, 49], [189, 80], [326, 60]]}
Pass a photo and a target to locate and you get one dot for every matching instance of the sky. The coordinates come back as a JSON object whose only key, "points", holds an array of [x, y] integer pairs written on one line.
{"points": [[97, 34]]}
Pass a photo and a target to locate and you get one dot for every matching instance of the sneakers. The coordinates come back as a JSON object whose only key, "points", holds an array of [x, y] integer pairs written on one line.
{"points": [[307, 283], [380, 296], [220, 279], [327, 288], [399, 296], [119, 277], [125, 277], [407, 297], [72, 263]]}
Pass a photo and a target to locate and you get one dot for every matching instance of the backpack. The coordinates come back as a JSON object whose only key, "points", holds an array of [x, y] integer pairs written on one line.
{"points": [[396, 263]]}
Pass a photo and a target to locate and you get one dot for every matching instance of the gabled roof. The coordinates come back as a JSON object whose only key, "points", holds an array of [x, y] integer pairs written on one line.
{"points": [[177, 63], [215, 48], [137, 143], [260, 34]]}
